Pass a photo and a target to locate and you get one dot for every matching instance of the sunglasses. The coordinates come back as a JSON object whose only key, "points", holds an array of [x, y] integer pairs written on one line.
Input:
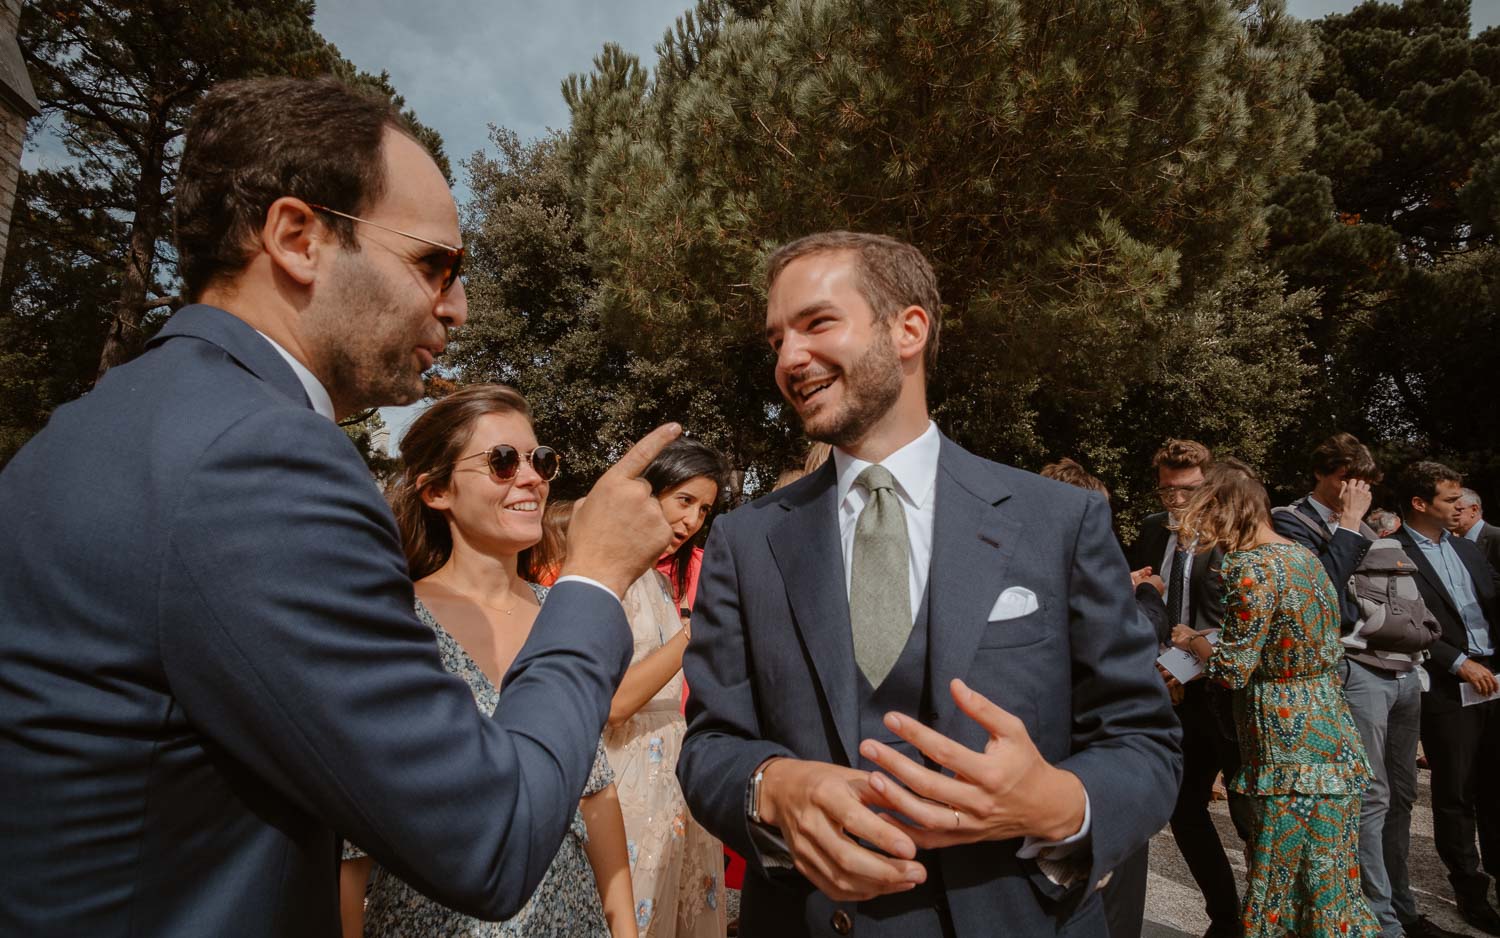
{"points": [[504, 461], [454, 257]]}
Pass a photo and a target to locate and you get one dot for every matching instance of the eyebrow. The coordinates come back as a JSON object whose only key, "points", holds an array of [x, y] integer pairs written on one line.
{"points": [[811, 309]]}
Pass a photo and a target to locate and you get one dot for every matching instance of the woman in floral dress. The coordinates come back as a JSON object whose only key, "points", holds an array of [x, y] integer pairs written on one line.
{"points": [[469, 504], [676, 867], [1303, 766]]}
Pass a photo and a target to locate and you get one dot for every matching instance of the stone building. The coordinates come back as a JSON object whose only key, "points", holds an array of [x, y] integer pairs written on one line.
{"points": [[17, 106]]}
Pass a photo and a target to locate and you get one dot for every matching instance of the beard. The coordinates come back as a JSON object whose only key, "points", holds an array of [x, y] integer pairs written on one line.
{"points": [[872, 385], [365, 335]]}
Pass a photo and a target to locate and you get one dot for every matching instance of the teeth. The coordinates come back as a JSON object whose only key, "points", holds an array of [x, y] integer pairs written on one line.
{"points": [[522, 506], [815, 389]]}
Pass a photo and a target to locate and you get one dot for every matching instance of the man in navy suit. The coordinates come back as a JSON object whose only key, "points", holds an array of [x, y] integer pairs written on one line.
{"points": [[907, 612], [1462, 743], [209, 663]]}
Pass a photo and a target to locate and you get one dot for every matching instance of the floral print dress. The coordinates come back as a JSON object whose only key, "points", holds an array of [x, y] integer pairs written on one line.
{"points": [[676, 867], [566, 903], [1303, 765]]}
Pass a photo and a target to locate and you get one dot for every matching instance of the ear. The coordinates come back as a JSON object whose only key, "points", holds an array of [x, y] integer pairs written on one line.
{"points": [[433, 495], [910, 329], [295, 240]]}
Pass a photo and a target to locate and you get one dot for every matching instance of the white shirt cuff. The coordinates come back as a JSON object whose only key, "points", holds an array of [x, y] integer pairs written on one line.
{"points": [[1031, 847], [1458, 663], [575, 578]]}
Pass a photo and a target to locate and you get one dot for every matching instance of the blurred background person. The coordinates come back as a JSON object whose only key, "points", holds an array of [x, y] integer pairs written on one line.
{"points": [[1471, 525], [675, 865], [545, 560], [468, 502], [1383, 522], [1303, 764]]}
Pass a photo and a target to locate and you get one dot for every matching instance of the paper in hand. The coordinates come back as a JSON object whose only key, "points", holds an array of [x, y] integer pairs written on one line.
{"points": [[1183, 665], [1470, 696]]}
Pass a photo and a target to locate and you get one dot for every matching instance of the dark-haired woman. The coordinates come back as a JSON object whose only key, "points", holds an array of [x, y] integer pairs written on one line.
{"points": [[1303, 765], [469, 503], [676, 867]]}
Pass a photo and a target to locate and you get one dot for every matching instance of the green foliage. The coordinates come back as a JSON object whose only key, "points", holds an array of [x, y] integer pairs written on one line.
{"points": [[1394, 220], [1079, 172], [88, 274]]}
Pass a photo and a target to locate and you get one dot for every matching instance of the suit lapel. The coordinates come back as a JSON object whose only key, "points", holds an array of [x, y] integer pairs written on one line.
{"points": [[1429, 572], [806, 547], [972, 544]]}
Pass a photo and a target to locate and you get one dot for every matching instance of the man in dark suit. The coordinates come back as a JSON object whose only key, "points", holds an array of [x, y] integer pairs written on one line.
{"points": [[906, 612], [1471, 525], [1195, 597], [210, 667], [1462, 743]]}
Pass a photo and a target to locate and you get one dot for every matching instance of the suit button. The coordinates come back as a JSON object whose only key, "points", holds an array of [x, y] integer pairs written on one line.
{"points": [[841, 922]]}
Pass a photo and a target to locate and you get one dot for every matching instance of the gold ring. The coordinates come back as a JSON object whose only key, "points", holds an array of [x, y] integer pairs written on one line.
{"points": [[957, 821]]}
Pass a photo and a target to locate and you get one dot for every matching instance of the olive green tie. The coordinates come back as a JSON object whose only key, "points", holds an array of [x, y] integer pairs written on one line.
{"points": [[879, 596]]}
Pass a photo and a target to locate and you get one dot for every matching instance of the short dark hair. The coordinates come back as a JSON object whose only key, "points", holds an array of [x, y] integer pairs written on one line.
{"points": [[1420, 480], [1182, 454], [1070, 471], [892, 275], [1345, 451], [252, 142]]}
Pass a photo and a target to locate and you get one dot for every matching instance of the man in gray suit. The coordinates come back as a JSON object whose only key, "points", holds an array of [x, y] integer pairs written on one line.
{"points": [[209, 663], [1472, 526], [922, 700]]}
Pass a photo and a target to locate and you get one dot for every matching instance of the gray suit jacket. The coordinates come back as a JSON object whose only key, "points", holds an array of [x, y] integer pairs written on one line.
{"points": [[209, 665], [771, 670]]}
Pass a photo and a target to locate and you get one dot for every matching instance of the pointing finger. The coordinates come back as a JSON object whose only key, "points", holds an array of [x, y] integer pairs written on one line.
{"points": [[639, 456]]}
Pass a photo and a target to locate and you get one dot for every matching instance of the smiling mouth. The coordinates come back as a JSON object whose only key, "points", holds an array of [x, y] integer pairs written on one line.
{"points": [[523, 507], [807, 392]]}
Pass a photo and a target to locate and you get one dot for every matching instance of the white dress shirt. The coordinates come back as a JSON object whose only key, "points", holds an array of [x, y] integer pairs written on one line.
{"points": [[1169, 570]]}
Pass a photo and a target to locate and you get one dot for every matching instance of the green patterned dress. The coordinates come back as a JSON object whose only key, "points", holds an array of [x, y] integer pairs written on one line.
{"points": [[1303, 764]]}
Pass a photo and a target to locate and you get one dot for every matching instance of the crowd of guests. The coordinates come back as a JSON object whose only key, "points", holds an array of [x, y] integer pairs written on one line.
{"points": [[1334, 636]]}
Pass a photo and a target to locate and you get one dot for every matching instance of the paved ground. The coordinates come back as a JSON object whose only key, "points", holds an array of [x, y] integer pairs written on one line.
{"points": [[1174, 907]]}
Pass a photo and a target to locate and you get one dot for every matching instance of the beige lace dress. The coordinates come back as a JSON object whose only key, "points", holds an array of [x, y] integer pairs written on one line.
{"points": [[676, 868]]}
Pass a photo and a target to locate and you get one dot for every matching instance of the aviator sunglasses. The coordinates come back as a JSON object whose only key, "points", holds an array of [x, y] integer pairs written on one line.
{"points": [[453, 263], [504, 461]]}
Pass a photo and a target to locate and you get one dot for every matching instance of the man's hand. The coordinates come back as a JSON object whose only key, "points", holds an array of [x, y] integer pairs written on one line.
{"points": [[1144, 575], [819, 809], [618, 530], [1007, 791], [1478, 677], [1354, 501]]}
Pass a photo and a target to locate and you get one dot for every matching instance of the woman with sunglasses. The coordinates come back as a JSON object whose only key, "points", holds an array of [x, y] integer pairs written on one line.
{"points": [[675, 865], [468, 503]]}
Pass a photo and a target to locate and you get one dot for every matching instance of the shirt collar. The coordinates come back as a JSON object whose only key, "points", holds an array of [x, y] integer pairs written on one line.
{"points": [[1325, 514], [914, 467], [316, 393], [1423, 540]]}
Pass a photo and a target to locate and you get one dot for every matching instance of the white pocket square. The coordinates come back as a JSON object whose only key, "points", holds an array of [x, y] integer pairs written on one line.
{"points": [[1015, 602]]}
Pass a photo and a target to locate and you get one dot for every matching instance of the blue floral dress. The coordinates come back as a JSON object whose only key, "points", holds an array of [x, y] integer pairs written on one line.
{"points": [[1303, 765], [566, 903]]}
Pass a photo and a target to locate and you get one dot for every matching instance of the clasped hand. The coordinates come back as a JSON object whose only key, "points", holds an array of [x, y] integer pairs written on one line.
{"points": [[1006, 791]]}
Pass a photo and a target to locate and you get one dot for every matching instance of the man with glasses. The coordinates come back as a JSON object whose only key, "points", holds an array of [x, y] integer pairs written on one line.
{"points": [[1194, 594], [210, 668]]}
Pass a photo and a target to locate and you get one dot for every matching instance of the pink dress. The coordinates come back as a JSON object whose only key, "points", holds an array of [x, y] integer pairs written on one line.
{"points": [[676, 867]]}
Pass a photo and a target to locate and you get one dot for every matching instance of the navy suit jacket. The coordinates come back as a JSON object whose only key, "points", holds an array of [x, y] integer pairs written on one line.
{"points": [[1454, 639], [772, 672], [1340, 554], [209, 664]]}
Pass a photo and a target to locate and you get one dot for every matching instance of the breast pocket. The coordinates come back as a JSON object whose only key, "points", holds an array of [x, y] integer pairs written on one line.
{"points": [[1014, 633]]}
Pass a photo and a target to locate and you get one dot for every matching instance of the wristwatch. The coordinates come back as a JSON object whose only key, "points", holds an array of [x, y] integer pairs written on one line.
{"points": [[752, 794]]}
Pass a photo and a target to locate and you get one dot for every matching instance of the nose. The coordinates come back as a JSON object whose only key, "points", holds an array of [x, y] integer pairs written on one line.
{"points": [[792, 355], [453, 305]]}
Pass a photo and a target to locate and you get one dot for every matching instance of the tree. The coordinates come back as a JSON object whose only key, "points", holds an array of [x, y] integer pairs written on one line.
{"points": [[1078, 172], [1394, 221], [117, 81]]}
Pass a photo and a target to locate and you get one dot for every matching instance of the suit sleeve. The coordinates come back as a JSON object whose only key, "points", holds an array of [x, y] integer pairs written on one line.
{"points": [[1154, 609], [288, 636], [723, 745], [1339, 554], [1126, 742]]}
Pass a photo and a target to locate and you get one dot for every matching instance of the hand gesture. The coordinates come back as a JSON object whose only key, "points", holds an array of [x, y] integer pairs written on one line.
{"points": [[820, 809], [1137, 577], [618, 530], [1006, 791], [1354, 501]]}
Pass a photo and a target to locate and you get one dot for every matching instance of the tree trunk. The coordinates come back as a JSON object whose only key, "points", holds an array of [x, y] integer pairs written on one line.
{"points": [[125, 338]]}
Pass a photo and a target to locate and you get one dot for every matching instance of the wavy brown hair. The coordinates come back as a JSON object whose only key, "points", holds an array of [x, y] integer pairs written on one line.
{"points": [[546, 558], [1227, 508], [428, 449]]}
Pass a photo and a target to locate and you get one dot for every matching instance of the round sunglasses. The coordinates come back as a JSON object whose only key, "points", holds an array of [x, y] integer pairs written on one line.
{"points": [[504, 461]]}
